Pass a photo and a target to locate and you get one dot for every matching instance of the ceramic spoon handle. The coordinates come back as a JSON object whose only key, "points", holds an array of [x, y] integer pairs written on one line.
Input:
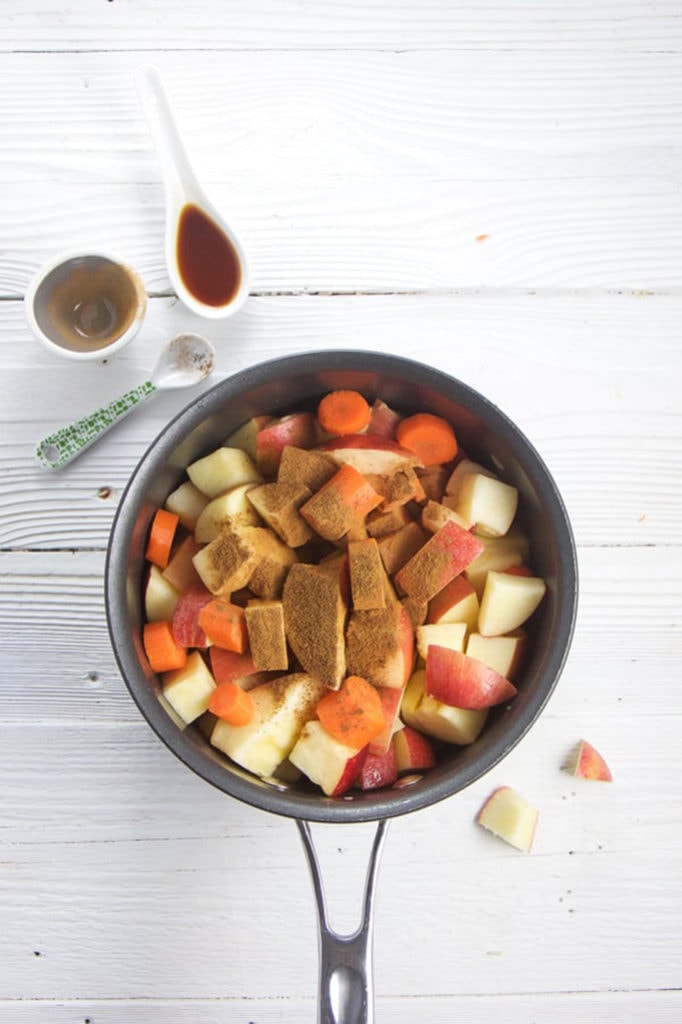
{"points": [[175, 166], [65, 444]]}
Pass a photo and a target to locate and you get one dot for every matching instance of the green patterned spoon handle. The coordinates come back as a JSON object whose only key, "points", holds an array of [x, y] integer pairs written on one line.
{"points": [[65, 444]]}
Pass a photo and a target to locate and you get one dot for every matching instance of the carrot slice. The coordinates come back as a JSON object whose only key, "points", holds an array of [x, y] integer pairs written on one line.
{"points": [[354, 714], [229, 702], [429, 436], [224, 624], [163, 651], [344, 412], [161, 535]]}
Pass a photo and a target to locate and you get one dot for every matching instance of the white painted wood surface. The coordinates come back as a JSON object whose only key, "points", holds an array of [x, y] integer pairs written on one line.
{"points": [[497, 190]]}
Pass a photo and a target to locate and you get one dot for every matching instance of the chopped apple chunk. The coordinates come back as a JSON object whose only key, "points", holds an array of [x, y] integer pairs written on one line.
{"points": [[509, 815]]}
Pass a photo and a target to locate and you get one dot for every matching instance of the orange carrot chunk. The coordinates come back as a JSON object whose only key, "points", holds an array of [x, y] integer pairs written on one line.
{"points": [[161, 535], [163, 651], [344, 412], [229, 702], [428, 436], [224, 624], [354, 715]]}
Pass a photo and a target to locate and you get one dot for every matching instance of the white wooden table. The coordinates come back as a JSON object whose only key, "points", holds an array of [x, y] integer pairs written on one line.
{"points": [[496, 190]]}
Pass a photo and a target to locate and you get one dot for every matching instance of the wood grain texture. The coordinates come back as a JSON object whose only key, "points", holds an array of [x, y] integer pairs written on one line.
{"points": [[491, 189], [570, 370], [633, 25]]}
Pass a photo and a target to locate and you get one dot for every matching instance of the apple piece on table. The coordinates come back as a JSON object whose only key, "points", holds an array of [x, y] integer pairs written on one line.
{"points": [[281, 707], [160, 597], [187, 502], [589, 764], [456, 602], [188, 689], [298, 430], [232, 508], [413, 751], [425, 714], [508, 601], [460, 681], [377, 770], [446, 554], [330, 764], [245, 436], [444, 634], [510, 817], [487, 503], [222, 470]]}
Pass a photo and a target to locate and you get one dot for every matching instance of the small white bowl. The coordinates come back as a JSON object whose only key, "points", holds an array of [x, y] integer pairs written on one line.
{"points": [[85, 305]]}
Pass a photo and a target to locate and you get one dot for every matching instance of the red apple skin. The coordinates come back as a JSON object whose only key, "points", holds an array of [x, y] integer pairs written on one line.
{"points": [[378, 770], [591, 765], [375, 442], [350, 773], [299, 430], [445, 555], [383, 420], [185, 626], [391, 697], [413, 751], [454, 592], [227, 666], [463, 682]]}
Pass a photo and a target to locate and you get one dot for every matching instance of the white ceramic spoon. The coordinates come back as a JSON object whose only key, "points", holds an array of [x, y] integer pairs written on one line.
{"points": [[182, 191], [185, 360]]}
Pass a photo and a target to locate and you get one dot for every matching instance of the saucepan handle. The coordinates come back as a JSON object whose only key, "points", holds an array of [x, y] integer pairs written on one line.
{"points": [[346, 990]]}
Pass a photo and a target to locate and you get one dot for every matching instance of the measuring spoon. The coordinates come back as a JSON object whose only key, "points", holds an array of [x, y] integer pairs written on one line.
{"points": [[185, 360], [205, 261]]}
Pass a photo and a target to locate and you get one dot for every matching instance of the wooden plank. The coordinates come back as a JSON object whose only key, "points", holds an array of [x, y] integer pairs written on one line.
{"points": [[397, 234], [159, 854], [561, 1008], [633, 26], [514, 115], [601, 418]]}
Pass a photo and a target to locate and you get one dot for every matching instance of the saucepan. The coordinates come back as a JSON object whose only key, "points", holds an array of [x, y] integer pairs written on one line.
{"points": [[277, 387]]}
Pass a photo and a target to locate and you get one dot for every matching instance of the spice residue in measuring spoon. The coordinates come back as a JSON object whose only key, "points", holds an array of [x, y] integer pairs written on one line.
{"points": [[207, 261], [90, 304]]}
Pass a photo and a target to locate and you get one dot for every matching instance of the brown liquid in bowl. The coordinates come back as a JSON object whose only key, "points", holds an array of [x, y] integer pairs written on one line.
{"points": [[87, 303]]}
